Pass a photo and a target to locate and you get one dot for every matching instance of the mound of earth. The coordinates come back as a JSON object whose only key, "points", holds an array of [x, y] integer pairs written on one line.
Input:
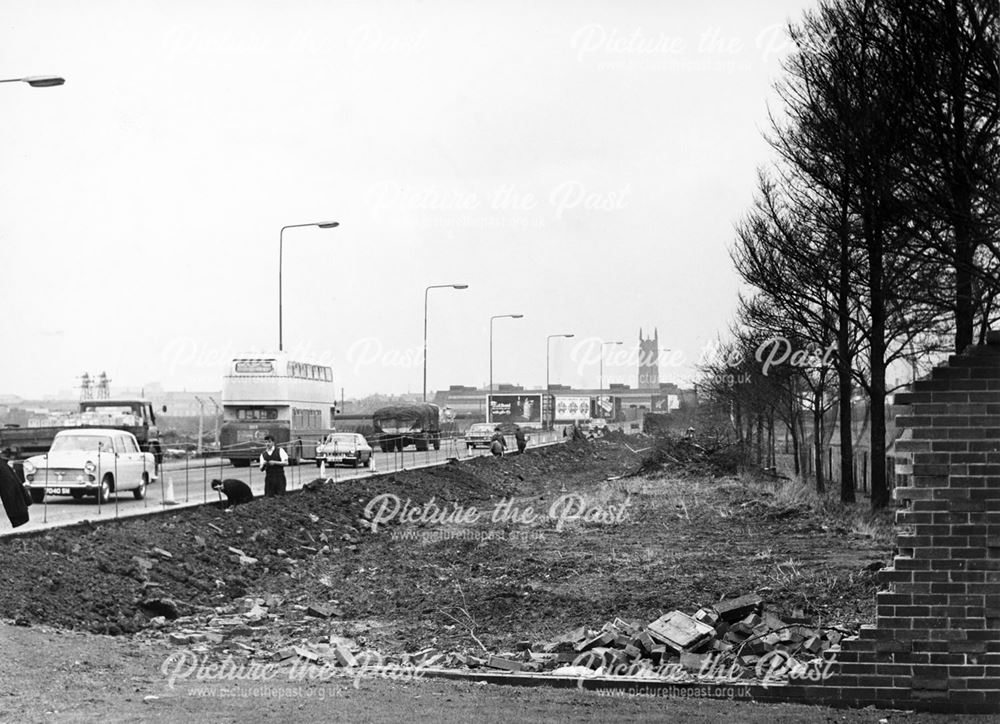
{"points": [[596, 546]]}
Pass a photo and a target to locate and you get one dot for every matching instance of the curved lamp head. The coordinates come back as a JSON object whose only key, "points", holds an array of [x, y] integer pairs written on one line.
{"points": [[43, 81], [328, 224], [459, 286], [516, 316]]}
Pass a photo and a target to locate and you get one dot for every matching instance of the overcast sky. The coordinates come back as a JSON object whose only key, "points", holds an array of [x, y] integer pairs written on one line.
{"points": [[581, 163]]}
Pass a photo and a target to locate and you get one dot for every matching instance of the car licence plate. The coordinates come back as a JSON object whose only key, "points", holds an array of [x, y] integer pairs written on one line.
{"points": [[57, 491]]}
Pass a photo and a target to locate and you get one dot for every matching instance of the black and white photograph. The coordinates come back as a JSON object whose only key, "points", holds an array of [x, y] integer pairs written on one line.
{"points": [[531, 361]]}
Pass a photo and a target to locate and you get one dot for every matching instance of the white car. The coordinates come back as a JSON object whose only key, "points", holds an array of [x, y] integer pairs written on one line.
{"points": [[92, 461], [344, 447], [479, 434]]}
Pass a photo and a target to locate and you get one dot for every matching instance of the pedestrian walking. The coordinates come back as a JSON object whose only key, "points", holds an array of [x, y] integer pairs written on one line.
{"points": [[272, 463], [13, 496], [521, 439]]}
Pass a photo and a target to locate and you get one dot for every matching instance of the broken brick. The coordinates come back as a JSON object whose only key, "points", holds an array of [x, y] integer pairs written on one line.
{"points": [[735, 609], [812, 645], [344, 657], [602, 639], [495, 662], [707, 616], [303, 653], [320, 610], [680, 631]]}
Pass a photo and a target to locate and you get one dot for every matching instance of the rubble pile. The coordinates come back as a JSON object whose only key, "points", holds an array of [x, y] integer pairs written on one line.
{"points": [[734, 635], [690, 456], [735, 638]]}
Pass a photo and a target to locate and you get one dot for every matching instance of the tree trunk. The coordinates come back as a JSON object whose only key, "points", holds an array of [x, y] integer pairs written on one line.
{"points": [[960, 189], [876, 297], [844, 360], [760, 440], [793, 427], [818, 440], [770, 439]]}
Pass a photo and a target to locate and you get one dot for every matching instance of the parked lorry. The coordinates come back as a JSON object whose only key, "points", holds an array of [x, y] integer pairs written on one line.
{"points": [[134, 415], [399, 426]]}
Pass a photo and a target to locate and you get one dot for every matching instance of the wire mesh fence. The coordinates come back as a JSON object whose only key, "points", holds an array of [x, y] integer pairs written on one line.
{"points": [[113, 483]]}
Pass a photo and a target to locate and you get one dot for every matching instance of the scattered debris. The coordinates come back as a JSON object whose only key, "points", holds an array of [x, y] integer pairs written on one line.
{"points": [[684, 456]]}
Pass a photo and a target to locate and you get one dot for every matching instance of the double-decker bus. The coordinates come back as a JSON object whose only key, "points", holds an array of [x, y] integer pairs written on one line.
{"points": [[292, 401]]}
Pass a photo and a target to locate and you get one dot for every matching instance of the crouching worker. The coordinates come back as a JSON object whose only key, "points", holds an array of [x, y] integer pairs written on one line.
{"points": [[498, 444], [236, 491]]}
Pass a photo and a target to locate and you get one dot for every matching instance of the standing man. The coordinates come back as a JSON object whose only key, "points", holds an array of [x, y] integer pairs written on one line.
{"points": [[13, 496], [521, 439], [272, 463]]}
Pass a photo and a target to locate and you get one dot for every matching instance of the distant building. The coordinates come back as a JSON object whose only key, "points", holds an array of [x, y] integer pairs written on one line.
{"points": [[649, 361]]}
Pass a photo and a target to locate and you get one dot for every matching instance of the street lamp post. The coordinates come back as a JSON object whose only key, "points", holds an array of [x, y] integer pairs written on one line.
{"points": [[498, 316], [37, 81], [600, 388], [547, 347], [433, 286], [281, 256]]}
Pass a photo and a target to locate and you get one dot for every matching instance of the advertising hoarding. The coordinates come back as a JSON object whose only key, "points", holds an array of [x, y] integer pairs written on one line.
{"points": [[665, 403], [517, 409], [572, 408], [607, 407]]}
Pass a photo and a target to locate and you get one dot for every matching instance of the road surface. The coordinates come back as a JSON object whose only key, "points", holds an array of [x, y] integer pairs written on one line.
{"points": [[190, 481]]}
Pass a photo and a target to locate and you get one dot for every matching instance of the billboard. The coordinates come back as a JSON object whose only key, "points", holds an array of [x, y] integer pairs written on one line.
{"points": [[518, 409], [572, 408], [607, 407], [665, 403]]}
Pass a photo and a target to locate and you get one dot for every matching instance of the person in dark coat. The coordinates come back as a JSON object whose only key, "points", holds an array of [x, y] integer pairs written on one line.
{"points": [[13, 495], [272, 463], [236, 491], [521, 439], [498, 443]]}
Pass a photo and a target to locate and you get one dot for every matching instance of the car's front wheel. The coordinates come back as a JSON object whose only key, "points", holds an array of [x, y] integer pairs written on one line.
{"points": [[140, 492], [104, 490]]}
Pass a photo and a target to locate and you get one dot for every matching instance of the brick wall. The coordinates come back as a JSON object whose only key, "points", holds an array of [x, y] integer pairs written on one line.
{"points": [[936, 641]]}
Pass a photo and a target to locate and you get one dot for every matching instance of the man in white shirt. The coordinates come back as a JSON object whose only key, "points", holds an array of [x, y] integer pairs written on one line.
{"points": [[272, 463]]}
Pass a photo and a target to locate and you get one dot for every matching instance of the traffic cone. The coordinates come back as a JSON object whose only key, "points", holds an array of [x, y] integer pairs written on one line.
{"points": [[168, 491]]}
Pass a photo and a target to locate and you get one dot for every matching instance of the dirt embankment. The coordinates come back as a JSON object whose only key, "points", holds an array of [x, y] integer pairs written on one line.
{"points": [[451, 580]]}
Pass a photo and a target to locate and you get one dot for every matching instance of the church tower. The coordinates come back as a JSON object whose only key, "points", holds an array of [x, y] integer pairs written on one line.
{"points": [[649, 361]]}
